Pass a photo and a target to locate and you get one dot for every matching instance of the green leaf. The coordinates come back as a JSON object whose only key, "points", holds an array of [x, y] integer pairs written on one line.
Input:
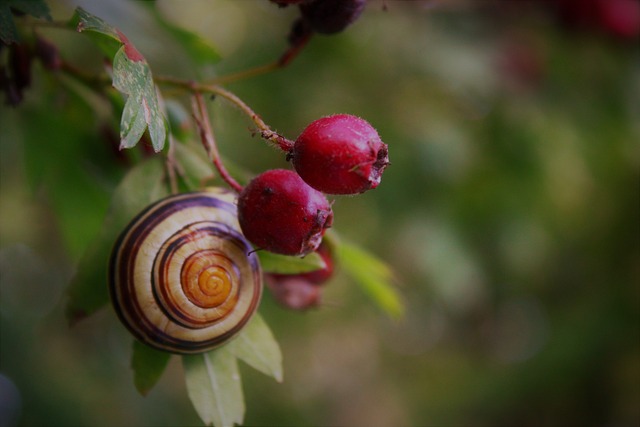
{"points": [[148, 364], [131, 76], [284, 264], [89, 22], [257, 347], [88, 290], [105, 36], [214, 387], [372, 275], [142, 108], [132, 124]]}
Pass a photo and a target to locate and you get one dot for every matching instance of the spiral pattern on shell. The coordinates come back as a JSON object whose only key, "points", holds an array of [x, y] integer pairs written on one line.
{"points": [[182, 277]]}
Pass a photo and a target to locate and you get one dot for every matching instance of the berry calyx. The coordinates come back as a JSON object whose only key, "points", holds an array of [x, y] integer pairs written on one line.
{"points": [[331, 16], [280, 213], [340, 154]]}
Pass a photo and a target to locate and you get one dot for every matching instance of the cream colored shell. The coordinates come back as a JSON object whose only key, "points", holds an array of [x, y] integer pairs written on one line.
{"points": [[182, 277]]}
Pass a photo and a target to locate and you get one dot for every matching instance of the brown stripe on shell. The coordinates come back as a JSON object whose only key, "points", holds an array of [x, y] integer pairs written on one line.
{"points": [[165, 259], [153, 319]]}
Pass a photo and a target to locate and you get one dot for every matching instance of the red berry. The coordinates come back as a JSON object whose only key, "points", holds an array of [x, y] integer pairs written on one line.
{"points": [[621, 17], [331, 16], [340, 154], [278, 212], [295, 293]]}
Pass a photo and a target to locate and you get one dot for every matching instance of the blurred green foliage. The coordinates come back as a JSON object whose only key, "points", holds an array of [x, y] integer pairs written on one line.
{"points": [[510, 215]]}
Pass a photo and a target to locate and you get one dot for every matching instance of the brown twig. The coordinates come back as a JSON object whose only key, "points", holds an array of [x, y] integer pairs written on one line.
{"points": [[299, 38], [265, 131], [201, 117]]}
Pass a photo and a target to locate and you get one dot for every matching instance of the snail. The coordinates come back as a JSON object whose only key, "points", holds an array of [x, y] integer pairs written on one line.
{"points": [[182, 277]]}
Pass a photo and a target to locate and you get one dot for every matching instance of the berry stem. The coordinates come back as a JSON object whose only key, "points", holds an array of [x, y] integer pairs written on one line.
{"points": [[285, 59], [201, 116], [265, 131], [245, 74]]}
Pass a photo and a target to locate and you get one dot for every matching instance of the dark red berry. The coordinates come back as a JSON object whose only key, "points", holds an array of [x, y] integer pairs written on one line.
{"points": [[295, 293], [340, 154], [331, 16], [620, 17], [280, 213]]}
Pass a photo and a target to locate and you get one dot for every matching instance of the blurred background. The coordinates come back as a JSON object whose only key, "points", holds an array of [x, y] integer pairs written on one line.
{"points": [[510, 215]]}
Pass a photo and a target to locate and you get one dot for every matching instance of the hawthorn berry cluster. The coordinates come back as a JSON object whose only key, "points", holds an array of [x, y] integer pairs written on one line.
{"points": [[286, 211]]}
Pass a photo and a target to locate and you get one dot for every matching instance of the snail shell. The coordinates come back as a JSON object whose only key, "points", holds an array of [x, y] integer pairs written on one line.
{"points": [[182, 277]]}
